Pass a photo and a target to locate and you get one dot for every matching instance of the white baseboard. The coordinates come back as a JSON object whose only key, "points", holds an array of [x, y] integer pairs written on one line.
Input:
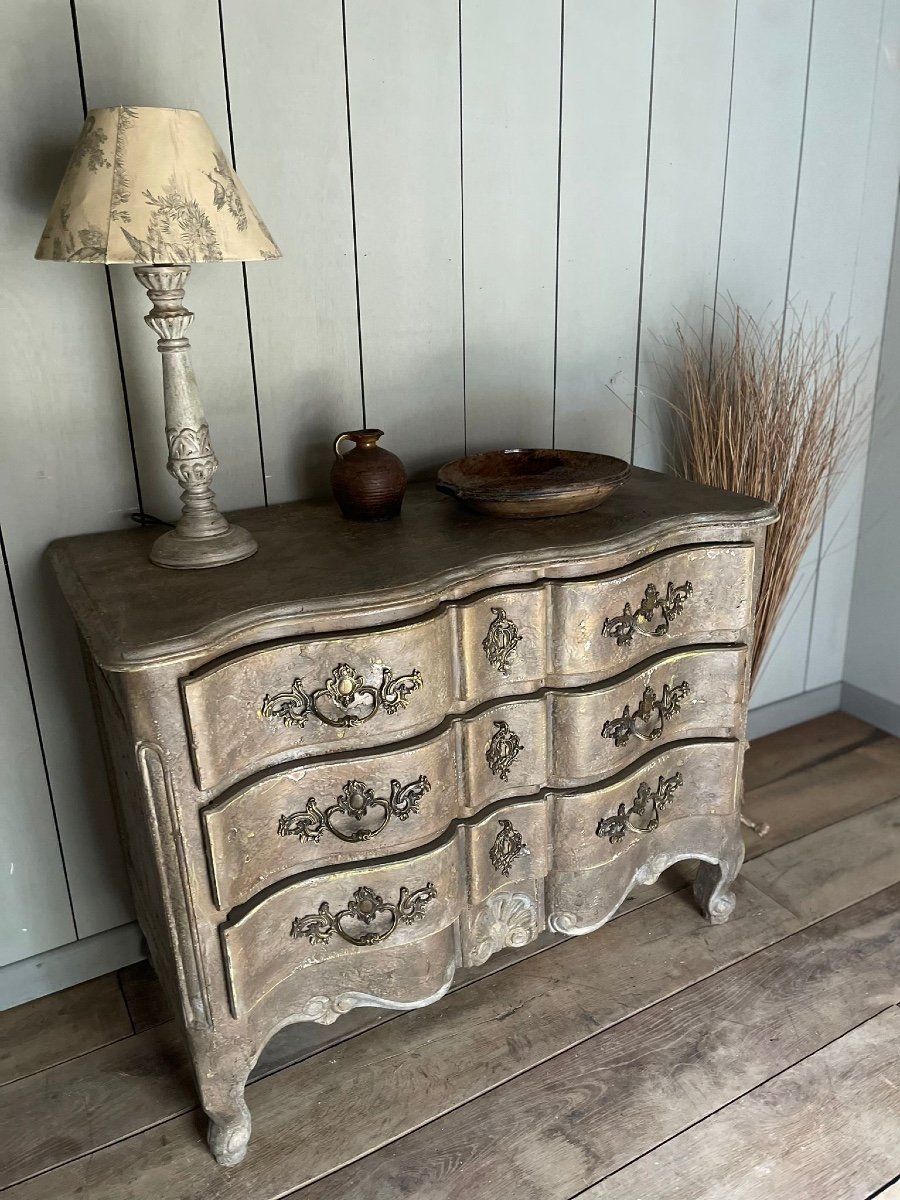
{"points": [[793, 710], [70, 964], [885, 714]]}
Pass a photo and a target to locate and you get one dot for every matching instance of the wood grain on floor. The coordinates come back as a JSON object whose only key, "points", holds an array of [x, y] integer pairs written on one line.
{"points": [[61, 1026], [843, 1145], [567, 1069]]}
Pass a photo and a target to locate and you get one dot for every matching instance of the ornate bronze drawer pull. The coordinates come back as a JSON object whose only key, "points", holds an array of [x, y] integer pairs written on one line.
{"points": [[508, 845], [503, 750], [364, 907], [650, 716], [669, 606], [354, 801], [344, 689], [616, 826], [500, 641]]}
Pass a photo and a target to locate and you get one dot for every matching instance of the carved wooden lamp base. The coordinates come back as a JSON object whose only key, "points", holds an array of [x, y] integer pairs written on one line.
{"points": [[189, 553], [202, 537]]}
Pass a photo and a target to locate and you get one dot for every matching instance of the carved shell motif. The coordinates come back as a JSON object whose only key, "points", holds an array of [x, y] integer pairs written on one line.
{"points": [[505, 921]]}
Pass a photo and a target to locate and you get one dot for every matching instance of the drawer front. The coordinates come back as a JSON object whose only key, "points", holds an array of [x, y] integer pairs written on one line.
{"points": [[315, 696], [703, 594], [337, 916], [490, 874], [358, 807], [319, 814], [594, 826]]}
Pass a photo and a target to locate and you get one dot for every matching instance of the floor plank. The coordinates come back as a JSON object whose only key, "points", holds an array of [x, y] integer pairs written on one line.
{"points": [[775, 1142], [828, 791], [146, 1000], [93, 1101], [61, 1026], [813, 874], [558, 1128], [789, 750]]}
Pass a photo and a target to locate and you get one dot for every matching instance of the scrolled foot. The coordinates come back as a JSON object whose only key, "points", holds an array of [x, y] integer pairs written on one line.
{"points": [[712, 889], [228, 1138]]}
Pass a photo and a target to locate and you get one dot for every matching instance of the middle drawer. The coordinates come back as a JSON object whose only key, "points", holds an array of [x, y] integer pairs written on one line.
{"points": [[351, 807]]}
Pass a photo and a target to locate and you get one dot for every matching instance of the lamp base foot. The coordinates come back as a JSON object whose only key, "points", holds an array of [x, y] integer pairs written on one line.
{"points": [[194, 553]]}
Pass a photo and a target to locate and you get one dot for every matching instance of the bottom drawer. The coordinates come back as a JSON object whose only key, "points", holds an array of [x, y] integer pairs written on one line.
{"points": [[563, 860]]}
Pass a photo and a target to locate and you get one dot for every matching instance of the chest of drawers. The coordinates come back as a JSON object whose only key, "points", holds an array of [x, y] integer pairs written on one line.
{"points": [[371, 755]]}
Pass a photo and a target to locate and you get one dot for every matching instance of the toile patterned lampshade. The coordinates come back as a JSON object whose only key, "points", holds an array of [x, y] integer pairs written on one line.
{"points": [[151, 186]]}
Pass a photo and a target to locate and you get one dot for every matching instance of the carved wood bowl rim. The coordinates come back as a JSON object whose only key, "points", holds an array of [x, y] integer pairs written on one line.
{"points": [[531, 482]]}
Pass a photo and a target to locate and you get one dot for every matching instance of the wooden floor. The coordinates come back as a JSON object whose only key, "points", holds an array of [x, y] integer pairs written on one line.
{"points": [[656, 1058]]}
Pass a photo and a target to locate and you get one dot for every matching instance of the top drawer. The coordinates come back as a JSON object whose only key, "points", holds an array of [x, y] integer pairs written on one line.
{"points": [[354, 691]]}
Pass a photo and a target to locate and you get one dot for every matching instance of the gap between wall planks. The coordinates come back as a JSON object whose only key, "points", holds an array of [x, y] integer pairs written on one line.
{"points": [[305, 325], [812, 893]]}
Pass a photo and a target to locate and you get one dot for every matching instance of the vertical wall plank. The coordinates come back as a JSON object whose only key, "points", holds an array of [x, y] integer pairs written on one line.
{"points": [[605, 107], [781, 675], [874, 229], [289, 113], [162, 53], [510, 123], [65, 464], [770, 64], [829, 205], [403, 71], [771, 53], [688, 139], [34, 901]]}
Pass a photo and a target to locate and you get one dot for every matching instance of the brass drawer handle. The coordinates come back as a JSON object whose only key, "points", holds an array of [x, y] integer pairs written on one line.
{"points": [[500, 641], [649, 718], [343, 689], [364, 907], [503, 750], [354, 801], [669, 606], [508, 845], [616, 826]]}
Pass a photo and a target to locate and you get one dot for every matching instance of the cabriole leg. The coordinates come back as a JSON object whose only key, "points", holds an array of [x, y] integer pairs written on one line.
{"points": [[712, 884], [221, 1082]]}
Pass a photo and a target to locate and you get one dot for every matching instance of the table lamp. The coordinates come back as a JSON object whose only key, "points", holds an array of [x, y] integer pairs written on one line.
{"points": [[151, 187]]}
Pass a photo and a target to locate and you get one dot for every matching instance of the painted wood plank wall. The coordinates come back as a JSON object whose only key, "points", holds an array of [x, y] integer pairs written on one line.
{"points": [[492, 214]]}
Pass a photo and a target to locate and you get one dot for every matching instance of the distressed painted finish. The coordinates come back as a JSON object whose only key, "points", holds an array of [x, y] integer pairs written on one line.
{"points": [[510, 803]]}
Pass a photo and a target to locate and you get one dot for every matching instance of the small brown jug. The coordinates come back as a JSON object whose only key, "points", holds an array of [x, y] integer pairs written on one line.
{"points": [[368, 481]]}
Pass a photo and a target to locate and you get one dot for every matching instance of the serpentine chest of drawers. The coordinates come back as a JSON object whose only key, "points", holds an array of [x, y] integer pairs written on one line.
{"points": [[373, 754]]}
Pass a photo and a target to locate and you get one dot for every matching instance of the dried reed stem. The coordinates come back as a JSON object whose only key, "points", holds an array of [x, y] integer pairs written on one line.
{"points": [[771, 412]]}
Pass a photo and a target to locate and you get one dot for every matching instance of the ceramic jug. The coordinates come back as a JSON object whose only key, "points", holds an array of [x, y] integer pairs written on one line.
{"points": [[368, 481]]}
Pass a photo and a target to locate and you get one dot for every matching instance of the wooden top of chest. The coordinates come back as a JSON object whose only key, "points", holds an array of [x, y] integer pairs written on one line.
{"points": [[315, 571]]}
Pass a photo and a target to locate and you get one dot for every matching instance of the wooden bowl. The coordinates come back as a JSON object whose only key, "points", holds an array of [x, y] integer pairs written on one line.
{"points": [[532, 483]]}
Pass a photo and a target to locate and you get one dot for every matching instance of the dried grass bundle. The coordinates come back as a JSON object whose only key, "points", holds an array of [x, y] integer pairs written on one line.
{"points": [[771, 413]]}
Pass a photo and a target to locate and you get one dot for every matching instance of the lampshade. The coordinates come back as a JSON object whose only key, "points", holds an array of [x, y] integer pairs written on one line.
{"points": [[151, 186]]}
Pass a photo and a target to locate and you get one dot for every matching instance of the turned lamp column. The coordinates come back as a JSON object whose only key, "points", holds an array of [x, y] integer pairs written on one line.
{"points": [[202, 537]]}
